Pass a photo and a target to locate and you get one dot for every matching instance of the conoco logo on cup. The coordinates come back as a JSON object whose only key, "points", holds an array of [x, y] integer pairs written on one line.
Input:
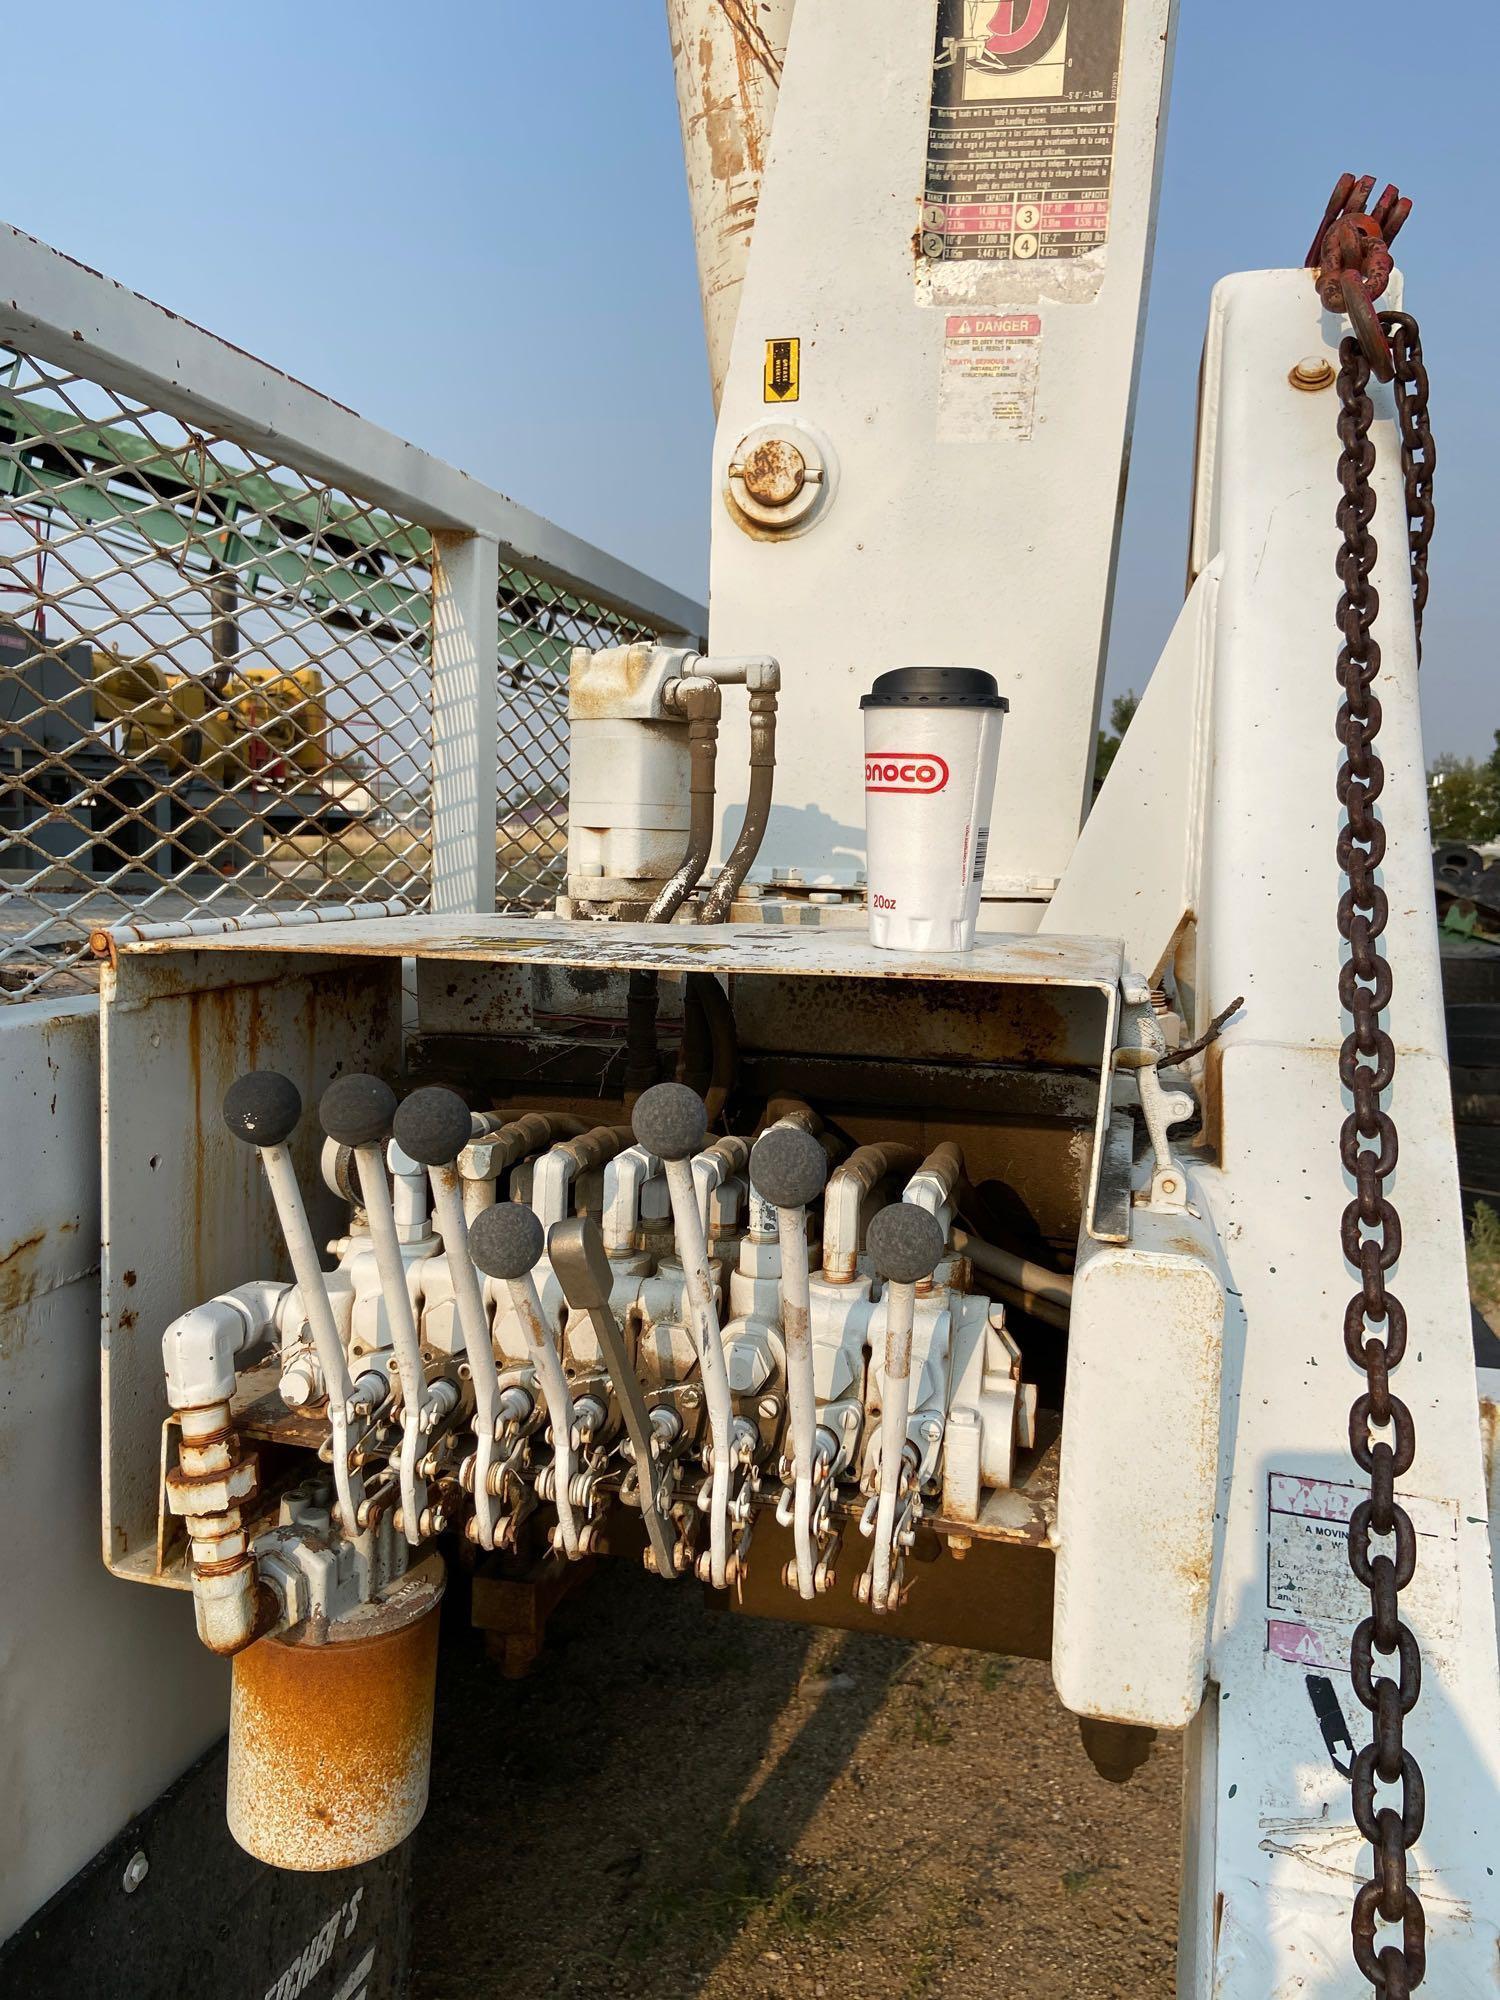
{"points": [[895, 771]]}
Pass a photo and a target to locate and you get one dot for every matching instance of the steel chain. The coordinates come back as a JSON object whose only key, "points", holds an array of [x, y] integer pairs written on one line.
{"points": [[1375, 1321]]}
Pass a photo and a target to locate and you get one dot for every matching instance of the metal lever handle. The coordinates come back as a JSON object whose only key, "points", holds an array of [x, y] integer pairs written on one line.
{"points": [[357, 1111], [788, 1168], [576, 1252], [434, 1126], [671, 1122], [263, 1110], [506, 1242], [905, 1245]]}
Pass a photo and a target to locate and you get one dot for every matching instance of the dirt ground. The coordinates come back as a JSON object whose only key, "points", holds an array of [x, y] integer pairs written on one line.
{"points": [[683, 1802]]}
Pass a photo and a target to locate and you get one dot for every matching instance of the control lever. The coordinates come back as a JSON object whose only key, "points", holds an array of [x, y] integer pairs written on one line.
{"points": [[507, 1242], [358, 1111], [788, 1169], [575, 1250], [433, 1126], [906, 1245], [263, 1110], [670, 1121]]}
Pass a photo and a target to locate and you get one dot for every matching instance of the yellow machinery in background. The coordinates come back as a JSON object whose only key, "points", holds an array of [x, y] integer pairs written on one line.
{"points": [[270, 723]]}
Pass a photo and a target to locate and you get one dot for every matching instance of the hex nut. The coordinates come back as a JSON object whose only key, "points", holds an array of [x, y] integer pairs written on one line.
{"points": [[215, 1493]]}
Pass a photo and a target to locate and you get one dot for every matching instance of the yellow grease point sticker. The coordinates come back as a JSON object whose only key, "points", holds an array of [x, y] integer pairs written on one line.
{"points": [[783, 370]]}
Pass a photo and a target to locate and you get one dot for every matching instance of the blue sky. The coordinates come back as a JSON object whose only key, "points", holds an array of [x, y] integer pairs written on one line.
{"points": [[473, 227]]}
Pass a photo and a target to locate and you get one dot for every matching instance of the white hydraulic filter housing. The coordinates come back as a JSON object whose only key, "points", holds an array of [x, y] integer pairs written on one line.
{"points": [[936, 468]]}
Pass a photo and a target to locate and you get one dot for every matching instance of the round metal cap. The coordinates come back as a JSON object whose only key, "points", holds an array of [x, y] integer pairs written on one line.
{"points": [[433, 1126], [670, 1121], [905, 1243], [263, 1108], [506, 1241], [788, 1168], [358, 1110], [935, 687]]}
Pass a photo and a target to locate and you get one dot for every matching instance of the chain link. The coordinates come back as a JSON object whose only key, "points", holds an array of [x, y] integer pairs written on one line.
{"points": [[1375, 1321]]}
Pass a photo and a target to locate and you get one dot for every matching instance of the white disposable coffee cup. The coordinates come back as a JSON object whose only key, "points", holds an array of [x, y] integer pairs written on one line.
{"points": [[932, 739]]}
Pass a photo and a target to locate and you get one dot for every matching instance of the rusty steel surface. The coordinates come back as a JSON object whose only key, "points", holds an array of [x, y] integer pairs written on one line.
{"points": [[727, 56], [330, 1742], [1351, 254], [1375, 1323], [1010, 959]]}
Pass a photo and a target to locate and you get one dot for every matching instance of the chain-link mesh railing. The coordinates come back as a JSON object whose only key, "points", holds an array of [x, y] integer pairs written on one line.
{"points": [[215, 685]]}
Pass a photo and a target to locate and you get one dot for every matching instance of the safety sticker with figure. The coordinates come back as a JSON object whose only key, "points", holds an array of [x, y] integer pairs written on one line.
{"points": [[1021, 134], [1313, 1599]]}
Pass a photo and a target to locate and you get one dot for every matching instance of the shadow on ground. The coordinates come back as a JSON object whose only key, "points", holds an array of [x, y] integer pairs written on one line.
{"points": [[683, 1802]]}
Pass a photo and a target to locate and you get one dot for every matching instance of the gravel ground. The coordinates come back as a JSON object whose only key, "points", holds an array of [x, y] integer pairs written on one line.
{"points": [[683, 1802]]}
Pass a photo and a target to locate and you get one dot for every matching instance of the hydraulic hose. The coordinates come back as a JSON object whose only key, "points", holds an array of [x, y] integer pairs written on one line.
{"points": [[752, 831], [1045, 1295], [698, 699]]}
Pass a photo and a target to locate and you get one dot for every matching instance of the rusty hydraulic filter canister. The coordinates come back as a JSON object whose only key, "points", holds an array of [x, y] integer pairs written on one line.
{"points": [[330, 1733]]}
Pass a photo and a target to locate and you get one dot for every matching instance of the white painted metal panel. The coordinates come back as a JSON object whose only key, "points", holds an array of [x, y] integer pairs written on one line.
{"points": [[1287, 1856], [996, 554], [105, 1694], [1139, 1475]]}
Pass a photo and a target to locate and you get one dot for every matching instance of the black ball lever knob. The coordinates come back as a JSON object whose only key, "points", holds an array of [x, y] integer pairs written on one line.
{"points": [[433, 1126], [507, 1240], [906, 1244], [263, 1108], [670, 1121], [358, 1110], [788, 1168]]}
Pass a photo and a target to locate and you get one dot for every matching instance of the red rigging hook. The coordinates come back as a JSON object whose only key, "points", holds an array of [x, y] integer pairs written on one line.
{"points": [[1351, 254]]}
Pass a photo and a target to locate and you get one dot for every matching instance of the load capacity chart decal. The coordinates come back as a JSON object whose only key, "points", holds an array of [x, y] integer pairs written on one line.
{"points": [[1021, 135]]}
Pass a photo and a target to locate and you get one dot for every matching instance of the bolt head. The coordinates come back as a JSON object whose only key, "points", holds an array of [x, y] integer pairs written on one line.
{"points": [[1312, 372], [137, 1868]]}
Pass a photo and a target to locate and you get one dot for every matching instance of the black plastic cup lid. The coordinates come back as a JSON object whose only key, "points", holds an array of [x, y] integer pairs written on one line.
{"points": [[935, 687]]}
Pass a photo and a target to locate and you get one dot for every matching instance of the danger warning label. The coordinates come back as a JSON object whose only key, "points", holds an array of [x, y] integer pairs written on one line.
{"points": [[1021, 134], [987, 391]]}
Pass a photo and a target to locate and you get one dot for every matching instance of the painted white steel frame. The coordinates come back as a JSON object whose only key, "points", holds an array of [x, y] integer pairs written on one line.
{"points": [[1213, 844], [996, 551], [75, 318]]}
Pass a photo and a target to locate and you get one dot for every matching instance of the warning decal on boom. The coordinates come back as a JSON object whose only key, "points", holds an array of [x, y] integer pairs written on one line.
{"points": [[1021, 135], [783, 383]]}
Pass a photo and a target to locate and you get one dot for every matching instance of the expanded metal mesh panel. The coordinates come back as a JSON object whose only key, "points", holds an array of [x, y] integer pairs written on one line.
{"points": [[214, 684], [540, 625]]}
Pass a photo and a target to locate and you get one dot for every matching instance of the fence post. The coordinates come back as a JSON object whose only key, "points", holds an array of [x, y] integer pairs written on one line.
{"points": [[465, 646]]}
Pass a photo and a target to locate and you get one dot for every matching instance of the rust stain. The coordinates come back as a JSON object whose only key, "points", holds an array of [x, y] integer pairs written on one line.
{"points": [[18, 1270], [129, 1280], [128, 1318], [329, 1745]]}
